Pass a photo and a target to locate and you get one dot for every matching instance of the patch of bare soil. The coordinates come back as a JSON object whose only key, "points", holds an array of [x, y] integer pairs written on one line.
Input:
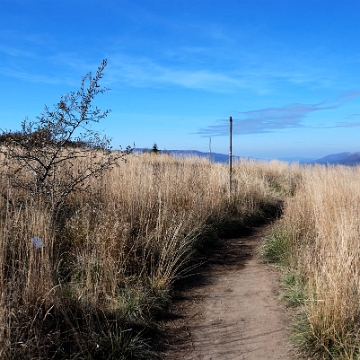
{"points": [[232, 309]]}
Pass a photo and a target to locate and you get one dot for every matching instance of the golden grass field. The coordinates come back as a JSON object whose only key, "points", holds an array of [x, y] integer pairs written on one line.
{"points": [[110, 260], [113, 256]]}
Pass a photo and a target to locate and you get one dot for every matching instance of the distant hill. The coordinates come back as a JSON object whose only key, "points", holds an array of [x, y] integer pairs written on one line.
{"points": [[345, 158], [215, 157], [297, 159], [333, 158], [224, 158]]}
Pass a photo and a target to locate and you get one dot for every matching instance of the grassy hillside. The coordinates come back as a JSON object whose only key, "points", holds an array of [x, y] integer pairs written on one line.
{"points": [[114, 251]]}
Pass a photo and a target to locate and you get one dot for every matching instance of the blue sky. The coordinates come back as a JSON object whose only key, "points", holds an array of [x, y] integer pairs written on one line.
{"points": [[287, 71]]}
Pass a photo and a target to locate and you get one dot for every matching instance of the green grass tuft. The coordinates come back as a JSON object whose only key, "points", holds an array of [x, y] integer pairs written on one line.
{"points": [[276, 248]]}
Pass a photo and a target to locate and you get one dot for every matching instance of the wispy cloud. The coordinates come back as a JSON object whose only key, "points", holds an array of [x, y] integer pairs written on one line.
{"points": [[37, 78], [217, 67], [275, 119], [344, 124], [15, 52], [349, 122], [143, 72], [52, 68]]}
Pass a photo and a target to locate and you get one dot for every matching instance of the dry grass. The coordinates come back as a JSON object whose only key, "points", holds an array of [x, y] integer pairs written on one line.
{"points": [[321, 227], [114, 252]]}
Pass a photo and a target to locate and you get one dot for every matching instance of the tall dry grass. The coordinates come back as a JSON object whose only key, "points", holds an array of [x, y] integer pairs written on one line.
{"points": [[113, 253], [322, 227]]}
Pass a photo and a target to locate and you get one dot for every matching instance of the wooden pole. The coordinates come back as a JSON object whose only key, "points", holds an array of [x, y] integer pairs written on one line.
{"points": [[209, 149], [230, 159]]}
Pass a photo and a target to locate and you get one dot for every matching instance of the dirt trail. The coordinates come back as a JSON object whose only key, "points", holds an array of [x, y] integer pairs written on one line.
{"points": [[232, 310]]}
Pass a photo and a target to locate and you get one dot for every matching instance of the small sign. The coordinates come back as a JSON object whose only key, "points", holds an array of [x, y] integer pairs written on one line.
{"points": [[38, 242]]}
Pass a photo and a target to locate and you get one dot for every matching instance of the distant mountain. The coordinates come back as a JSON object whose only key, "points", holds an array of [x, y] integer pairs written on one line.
{"points": [[333, 158], [297, 159], [345, 158], [224, 158], [215, 157]]}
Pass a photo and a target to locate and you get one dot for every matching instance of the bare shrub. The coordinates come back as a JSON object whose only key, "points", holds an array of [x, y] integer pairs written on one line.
{"points": [[55, 155]]}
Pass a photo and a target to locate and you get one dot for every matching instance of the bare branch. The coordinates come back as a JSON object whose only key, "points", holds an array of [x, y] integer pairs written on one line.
{"points": [[50, 158]]}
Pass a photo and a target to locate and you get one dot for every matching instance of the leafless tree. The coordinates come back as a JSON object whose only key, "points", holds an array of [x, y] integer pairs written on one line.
{"points": [[56, 154]]}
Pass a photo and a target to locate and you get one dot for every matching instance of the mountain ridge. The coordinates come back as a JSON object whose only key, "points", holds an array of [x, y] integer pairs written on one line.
{"points": [[344, 158]]}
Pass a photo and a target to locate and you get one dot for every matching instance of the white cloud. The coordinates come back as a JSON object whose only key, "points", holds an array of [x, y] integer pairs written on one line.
{"points": [[142, 72], [15, 52], [36, 78]]}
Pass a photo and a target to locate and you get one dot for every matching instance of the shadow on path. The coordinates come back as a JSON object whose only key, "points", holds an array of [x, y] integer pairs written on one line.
{"points": [[228, 309]]}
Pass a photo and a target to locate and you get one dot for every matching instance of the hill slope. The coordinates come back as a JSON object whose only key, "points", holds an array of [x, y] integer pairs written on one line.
{"points": [[345, 158]]}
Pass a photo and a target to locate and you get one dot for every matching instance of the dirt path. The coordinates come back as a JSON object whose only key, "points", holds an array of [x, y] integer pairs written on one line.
{"points": [[232, 310]]}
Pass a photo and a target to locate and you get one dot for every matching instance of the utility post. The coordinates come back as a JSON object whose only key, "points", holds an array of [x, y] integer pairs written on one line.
{"points": [[230, 160], [210, 149]]}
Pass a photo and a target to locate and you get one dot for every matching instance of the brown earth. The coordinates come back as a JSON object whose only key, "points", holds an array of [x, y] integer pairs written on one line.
{"points": [[231, 309]]}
